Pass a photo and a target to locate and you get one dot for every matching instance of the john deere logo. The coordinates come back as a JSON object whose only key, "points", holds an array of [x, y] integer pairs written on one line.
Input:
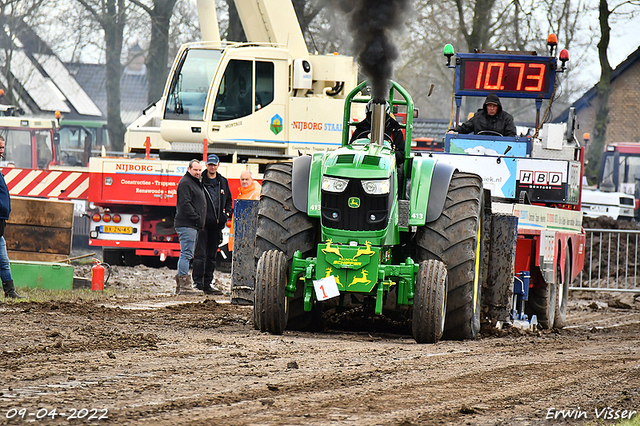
{"points": [[276, 124], [354, 202]]}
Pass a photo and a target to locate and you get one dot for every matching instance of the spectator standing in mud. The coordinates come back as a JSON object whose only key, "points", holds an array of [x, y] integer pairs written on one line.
{"points": [[191, 213], [5, 209], [249, 190], [490, 118], [218, 199]]}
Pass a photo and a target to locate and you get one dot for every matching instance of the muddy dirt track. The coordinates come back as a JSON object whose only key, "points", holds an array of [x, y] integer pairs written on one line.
{"points": [[149, 358]]}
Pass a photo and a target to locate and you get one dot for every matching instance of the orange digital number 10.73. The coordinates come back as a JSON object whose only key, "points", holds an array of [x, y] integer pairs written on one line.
{"points": [[495, 74]]}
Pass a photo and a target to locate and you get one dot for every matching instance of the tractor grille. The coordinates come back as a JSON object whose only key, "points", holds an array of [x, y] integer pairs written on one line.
{"points": [[345, 159], [371, 215], [371, 160]]}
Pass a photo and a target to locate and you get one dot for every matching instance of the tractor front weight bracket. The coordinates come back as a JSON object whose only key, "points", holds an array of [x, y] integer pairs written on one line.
{"points": [[305, 270], [407, 272], [306, 267]]}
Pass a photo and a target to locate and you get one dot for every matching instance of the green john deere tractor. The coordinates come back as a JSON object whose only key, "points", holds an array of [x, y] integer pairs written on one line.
{"points": [[396, 234]]}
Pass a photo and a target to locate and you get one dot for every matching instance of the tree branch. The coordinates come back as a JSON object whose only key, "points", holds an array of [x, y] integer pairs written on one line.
{"points": [[142, 6], [93, 12]]}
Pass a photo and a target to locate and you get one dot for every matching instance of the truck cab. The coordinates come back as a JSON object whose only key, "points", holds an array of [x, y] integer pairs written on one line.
{"points": [[620, 171], [262, 100], [30, 143]]}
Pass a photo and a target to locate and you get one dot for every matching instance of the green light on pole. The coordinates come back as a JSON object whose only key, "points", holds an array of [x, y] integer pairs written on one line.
{"points": [[448, 52]]}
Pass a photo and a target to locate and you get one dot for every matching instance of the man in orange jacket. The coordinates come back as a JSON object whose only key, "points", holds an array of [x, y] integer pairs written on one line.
{"points": [[249, 190]]}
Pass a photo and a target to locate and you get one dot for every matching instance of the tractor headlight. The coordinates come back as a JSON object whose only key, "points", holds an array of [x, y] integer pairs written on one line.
{"points": [[333, 184], [376, 187]]}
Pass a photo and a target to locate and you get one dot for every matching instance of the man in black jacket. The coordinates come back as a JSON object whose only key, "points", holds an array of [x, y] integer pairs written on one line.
{"points": [[218, 197], [491, 118], [392, 129], [191, 213]]}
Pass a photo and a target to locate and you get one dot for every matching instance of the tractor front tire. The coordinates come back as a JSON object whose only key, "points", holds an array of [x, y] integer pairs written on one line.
{"points": [[429, 302], [270, 306], [455, 238], [284, 228]]}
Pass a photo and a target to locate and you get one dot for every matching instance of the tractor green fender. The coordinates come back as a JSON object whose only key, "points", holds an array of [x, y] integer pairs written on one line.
{"points": [[300, 172], [306, 180], [429, 185]]}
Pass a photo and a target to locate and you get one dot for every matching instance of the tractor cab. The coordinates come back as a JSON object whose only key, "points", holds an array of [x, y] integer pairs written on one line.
{"points": [[360, 180]]}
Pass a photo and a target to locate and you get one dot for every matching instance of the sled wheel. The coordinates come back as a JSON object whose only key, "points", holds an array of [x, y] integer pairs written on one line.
{"points": [[497, 291], [270, 310], [429, 302], [563, 293], [542, 303], [284, 228], [455, 238]]}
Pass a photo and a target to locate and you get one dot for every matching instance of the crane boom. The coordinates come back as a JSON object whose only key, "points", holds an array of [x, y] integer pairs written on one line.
{"points": [[208, 20], [272, 21]]}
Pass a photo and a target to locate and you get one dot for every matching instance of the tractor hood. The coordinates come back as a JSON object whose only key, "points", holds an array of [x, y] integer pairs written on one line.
{"points": [[360, 161]]}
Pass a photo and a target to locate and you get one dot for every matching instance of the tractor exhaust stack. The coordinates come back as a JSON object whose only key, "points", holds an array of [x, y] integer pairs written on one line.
{"points": [[378, 119]]}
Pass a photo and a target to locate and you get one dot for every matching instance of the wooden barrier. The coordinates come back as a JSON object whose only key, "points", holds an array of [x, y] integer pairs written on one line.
{"points": [[39, 229]]}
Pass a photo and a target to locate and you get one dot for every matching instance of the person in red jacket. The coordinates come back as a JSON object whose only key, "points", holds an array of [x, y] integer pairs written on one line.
{"points": [[249, 190]]}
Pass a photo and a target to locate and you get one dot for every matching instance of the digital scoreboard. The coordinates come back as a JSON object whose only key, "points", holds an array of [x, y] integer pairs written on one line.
{"points": [[520, 76]]}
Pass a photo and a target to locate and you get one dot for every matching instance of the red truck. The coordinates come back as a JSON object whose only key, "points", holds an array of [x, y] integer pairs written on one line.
{"points": [[133, 206], [34, 163]]}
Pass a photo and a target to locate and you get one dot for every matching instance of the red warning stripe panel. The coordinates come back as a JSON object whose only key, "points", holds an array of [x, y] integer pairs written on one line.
{"points": [[72, 185], [47, 183]]}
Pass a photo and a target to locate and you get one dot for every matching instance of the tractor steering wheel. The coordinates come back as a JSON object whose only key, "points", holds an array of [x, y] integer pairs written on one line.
{"points": [[489, 132]]}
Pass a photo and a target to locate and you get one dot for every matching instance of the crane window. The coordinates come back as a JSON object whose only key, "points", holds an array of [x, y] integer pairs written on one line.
{"points": [[264, 84], [234, 94], [190, 85]]}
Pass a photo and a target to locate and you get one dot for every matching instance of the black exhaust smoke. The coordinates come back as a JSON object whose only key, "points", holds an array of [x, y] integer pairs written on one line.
{"points": [[372, 24]]}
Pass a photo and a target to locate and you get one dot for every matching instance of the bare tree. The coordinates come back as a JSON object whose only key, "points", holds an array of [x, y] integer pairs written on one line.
{"points": [[15, 17], [234, 26], [521, 25], [157, 56], [603, 87], [111, 16], [185, 26], [481, 11]]}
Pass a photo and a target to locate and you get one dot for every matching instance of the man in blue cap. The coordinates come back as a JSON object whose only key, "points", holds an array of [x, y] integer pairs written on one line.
{"points": [[218, 197]]}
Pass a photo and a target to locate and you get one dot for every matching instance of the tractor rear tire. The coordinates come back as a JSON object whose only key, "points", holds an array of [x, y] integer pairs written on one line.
{"points": [[562, 291], [429, 302], [270, 306], [455, 238], [284, 228]]}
